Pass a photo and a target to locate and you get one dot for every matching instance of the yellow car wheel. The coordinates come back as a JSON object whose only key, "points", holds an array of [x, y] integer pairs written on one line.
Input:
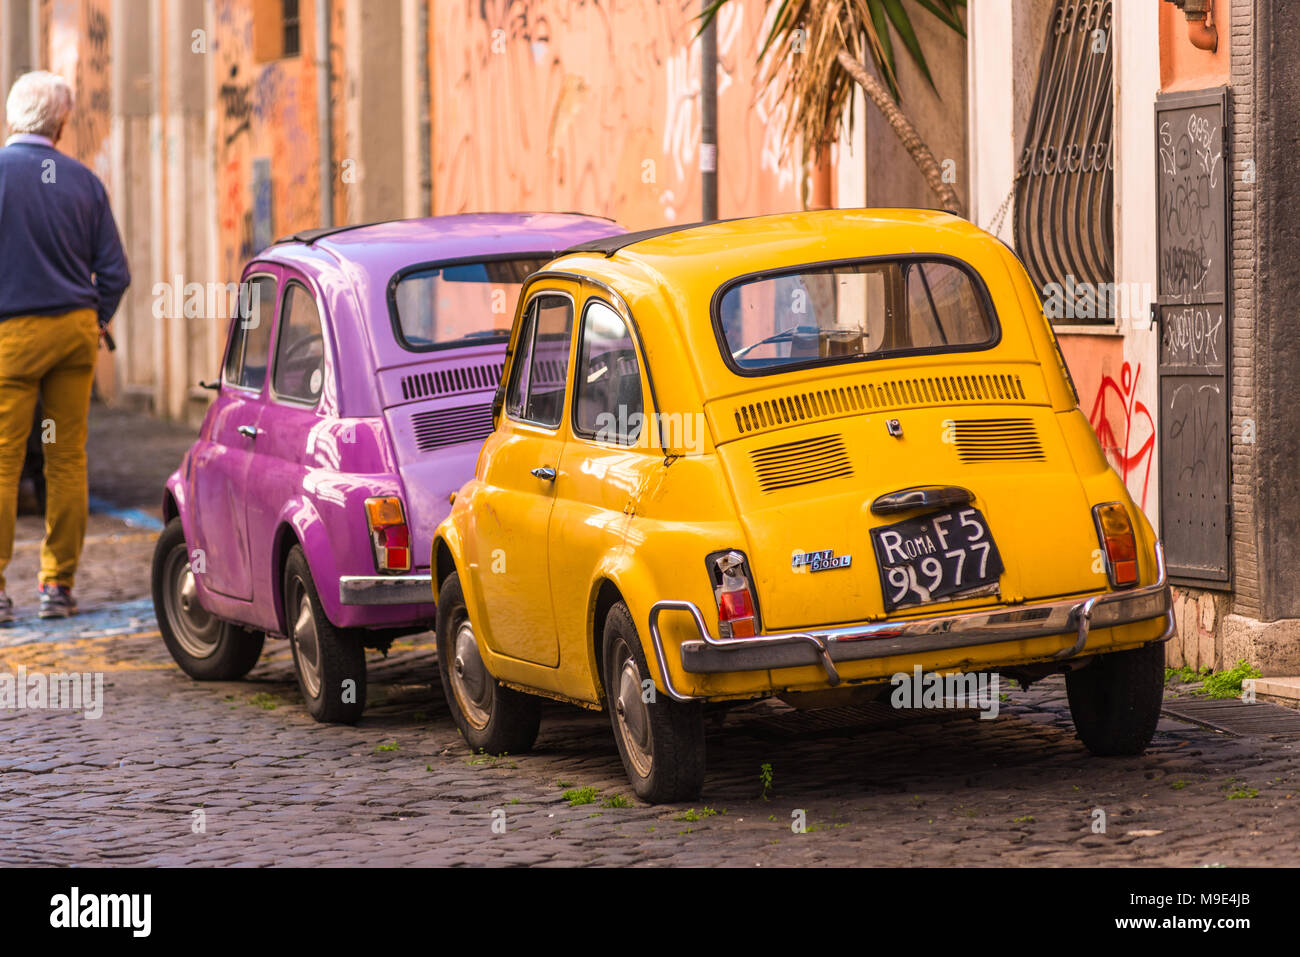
{"points": [[661, 741], [1115, 701], [492, 718]]}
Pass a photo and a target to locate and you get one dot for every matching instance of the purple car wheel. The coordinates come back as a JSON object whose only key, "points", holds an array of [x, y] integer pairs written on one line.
{"points": [[307, 646], [198, 632], [330, 662], [206, 647]]}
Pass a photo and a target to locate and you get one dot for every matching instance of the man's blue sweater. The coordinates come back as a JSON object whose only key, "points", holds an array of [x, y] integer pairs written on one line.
{"points": [[59, 246]]}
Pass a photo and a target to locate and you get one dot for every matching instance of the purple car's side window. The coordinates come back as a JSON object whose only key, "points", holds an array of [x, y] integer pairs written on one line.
{"points": [[300, 348], [250, 340]]}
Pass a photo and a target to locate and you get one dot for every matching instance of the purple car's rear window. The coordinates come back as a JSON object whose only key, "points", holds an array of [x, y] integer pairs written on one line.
{"points": [[459, 303]]}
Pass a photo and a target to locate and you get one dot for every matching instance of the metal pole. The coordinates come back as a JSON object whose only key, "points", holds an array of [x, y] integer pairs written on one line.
{"points": [[426, 120], [324, 113], [709, 117]]}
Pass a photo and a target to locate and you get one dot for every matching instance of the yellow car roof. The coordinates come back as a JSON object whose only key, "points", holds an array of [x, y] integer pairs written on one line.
{"points": [[723, 250], [669, 277]]}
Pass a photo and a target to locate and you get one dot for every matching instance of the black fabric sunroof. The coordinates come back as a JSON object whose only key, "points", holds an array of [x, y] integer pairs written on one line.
{"points": [[609, 245], [309, 236]]}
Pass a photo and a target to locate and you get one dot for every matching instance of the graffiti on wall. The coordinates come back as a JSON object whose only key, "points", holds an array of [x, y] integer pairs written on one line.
{"points": [[1192, 247], [594, 106], [264, 111], [76, 38], [1125, 426], [92, 119], [1126, 429], [1193, 244]]}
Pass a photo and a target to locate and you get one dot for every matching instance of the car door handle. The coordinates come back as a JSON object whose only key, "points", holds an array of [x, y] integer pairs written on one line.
{"points": [[248, 431], [546, 473]]}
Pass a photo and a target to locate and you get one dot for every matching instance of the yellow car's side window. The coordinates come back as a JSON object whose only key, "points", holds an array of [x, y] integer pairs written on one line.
{"points": [[541, 371], [608, 404]]}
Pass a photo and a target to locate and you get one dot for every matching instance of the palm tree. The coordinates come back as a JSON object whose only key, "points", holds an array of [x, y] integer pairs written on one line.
{"points": [[825, 45]]}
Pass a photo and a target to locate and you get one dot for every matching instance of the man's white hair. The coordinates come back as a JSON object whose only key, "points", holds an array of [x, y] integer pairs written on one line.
{"points": [[39, 103]]}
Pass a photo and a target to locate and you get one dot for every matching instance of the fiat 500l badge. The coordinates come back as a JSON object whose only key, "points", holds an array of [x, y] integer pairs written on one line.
{"points": [[820, 561]]}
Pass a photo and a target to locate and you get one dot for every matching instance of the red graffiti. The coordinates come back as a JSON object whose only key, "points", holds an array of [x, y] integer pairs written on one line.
{"points": [[1118, 447]]}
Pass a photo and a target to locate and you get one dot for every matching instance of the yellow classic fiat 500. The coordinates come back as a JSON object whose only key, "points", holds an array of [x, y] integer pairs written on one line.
{"points": [[795, 455]]}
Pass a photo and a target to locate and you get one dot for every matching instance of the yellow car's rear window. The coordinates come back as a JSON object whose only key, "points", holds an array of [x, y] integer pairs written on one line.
{"points": [[841, 312]]}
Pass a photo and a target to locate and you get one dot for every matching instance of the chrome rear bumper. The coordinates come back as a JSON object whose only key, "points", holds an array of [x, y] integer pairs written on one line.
{"points": [[386, 590], [1073, 618]]}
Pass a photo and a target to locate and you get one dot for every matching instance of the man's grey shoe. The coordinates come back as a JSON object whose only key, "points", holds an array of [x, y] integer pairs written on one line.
{"points": [[6, 610], [57, 602]]}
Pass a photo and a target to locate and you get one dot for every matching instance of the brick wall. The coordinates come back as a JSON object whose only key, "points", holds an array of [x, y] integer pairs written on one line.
{"points": [[1245, 251]]}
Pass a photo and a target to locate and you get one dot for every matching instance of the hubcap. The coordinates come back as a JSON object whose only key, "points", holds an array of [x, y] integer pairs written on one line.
{"points": [[632, 712], [197, 632], [470, 681], [306, 646]]}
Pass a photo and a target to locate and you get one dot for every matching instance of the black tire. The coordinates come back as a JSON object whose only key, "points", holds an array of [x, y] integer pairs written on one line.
{"points": [[325, 658], [661, 741], [1115, 701], [491, 717], [206, 648]]}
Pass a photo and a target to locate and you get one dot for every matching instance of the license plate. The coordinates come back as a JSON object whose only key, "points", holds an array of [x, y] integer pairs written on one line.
{"points": [[939, 556]]}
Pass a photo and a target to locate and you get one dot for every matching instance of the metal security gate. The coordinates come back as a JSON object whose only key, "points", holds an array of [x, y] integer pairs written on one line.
{"points": [[1193, 243]]}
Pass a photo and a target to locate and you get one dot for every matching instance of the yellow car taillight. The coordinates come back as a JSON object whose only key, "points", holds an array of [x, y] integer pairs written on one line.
{"points": [[737, 609], [388, 534], [1118, 543]]}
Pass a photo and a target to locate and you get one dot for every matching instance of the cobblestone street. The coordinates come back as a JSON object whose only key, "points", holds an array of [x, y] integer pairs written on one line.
{"points": [[275, 788], [400, 788]]}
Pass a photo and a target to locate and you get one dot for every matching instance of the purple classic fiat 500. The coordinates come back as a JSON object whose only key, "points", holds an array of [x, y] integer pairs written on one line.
{"points": [[355, 395]]}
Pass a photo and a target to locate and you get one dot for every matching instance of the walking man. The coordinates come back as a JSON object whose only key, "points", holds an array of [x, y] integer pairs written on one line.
{"points": [[62, 275]]}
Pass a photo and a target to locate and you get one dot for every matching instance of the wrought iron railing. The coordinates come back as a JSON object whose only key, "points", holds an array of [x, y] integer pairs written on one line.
{"points": [[1064, 227]]}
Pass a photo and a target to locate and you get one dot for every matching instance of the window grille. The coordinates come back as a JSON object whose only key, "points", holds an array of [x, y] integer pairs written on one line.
{"points": [[1064, 229]]}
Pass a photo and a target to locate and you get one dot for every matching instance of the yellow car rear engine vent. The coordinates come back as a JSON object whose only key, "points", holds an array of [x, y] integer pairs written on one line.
{"points": [[801, 463], [875, 396], [996, 440]]}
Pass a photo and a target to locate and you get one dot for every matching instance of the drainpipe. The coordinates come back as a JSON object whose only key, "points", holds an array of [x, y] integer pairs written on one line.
{"points": [[709, 117], [324, 114], [1204, 35], [425, 117]]}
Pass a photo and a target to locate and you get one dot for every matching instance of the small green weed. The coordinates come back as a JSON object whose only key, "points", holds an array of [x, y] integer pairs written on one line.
{"points": [[582, 795]]}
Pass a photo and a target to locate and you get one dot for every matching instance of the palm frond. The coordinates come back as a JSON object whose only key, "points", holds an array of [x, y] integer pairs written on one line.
{"points": [[880, 30], [903, 24], [799, 55], [873, 18], [948, 11]]}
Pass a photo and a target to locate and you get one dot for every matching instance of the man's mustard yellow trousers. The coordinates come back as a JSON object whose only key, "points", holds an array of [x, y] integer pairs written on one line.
{"points": [[53, 358]]}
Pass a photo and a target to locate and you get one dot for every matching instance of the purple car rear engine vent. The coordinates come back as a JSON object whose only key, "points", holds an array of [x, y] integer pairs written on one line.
{"points": [[451, 381]]}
